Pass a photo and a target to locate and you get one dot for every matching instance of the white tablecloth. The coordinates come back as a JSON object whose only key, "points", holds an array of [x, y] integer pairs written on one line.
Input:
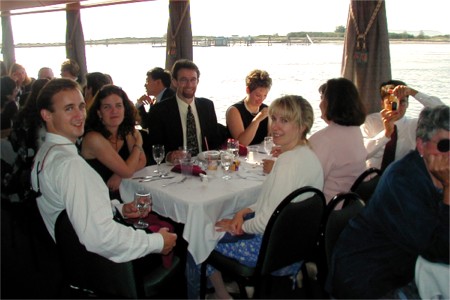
{"points": [[432, 279], [199, 205]]}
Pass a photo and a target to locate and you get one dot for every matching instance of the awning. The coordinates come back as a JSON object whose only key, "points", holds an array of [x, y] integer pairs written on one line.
{"points": [[30, 7]]}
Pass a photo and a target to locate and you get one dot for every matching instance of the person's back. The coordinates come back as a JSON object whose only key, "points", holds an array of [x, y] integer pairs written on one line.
{"points": [[26, 137], [340, 146]]}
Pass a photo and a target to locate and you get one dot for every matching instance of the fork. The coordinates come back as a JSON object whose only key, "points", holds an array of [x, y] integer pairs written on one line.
{"points": [[181, 181]]}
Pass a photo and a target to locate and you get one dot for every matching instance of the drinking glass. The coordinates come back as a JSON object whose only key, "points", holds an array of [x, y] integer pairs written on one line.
{"points": [[158, 156], [143, 202], [268, 144], [226, 159], [233, 147]]}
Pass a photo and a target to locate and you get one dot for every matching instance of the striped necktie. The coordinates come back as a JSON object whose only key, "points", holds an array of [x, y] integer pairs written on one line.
{"points": [[191, 133]]}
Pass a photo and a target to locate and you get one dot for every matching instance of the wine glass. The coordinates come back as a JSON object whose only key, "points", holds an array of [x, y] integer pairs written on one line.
{"points": [[158, 156], [226, 159], [268, 144], [143, 202]]}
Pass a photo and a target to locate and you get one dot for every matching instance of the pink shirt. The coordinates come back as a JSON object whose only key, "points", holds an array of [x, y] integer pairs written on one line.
{"points": [[342, 154]]}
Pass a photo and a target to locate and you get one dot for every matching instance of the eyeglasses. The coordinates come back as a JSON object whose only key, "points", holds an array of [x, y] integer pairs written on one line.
{"points": [[443, 145]]}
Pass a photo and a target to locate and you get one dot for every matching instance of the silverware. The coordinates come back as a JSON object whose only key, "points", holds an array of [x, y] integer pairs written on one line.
{"points": [[173, 182], [156, 178], [164, 175]]}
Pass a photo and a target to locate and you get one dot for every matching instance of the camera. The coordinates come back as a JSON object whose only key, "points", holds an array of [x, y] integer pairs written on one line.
{"points": [[394, 102]]}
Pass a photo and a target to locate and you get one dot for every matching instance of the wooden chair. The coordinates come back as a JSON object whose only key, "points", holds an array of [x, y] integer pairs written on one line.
{"points": [[366, 183], [290, 236], [93, 275]]}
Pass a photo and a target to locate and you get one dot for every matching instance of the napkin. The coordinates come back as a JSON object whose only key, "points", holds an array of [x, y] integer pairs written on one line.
{"points": [[196, 170]]}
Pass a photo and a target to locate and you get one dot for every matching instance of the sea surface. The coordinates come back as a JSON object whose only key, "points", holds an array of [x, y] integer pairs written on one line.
{"points": [[295, 69]]}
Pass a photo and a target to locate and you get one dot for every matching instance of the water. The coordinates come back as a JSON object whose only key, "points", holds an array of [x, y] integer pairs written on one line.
{"points": [[294, 69]]}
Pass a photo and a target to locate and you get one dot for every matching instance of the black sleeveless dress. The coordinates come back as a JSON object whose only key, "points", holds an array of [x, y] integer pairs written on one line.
{"points": [[247, 118], [106, 173]]}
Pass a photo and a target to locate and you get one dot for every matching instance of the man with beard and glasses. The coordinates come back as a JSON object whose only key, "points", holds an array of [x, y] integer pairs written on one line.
{"points": [[184, 120]]}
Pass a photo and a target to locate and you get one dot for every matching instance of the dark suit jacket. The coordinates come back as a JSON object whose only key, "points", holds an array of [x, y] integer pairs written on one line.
{"points": [[165, 125], [145, 115]]}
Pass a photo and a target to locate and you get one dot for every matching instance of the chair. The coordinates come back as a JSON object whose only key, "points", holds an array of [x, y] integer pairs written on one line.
{"points": [[290, 236], [336, 220], [93, 275], [365, 185]]}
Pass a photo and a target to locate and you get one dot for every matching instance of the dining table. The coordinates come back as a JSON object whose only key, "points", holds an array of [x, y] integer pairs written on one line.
{"points": [[198, 202]]}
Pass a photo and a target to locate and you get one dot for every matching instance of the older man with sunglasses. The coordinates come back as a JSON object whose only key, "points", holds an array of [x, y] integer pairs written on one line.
{"points": [[390, 128], [407, 216]]}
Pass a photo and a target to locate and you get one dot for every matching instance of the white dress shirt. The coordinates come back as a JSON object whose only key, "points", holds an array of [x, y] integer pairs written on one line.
{"points": [[375, 139], [66, 181], [293, 169]]}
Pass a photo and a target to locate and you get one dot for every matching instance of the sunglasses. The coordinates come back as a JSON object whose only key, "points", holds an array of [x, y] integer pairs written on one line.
{"points": [[443, 145]]}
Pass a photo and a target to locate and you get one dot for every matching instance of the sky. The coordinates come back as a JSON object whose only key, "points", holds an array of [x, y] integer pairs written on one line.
{"points": [[226, 18]]}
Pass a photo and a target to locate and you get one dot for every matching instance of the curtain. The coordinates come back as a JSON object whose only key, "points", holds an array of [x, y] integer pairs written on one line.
{"points": [[366, 59]]}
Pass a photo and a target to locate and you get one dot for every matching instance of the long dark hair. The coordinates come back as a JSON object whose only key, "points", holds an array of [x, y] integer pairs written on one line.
{"points": [[93, 121]]}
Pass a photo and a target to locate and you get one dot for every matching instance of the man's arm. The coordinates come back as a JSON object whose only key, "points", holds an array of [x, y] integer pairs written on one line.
{"points": [[402, 91]]}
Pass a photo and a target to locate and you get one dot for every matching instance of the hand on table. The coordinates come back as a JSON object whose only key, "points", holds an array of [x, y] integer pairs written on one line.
{"points": [[170, 240]]}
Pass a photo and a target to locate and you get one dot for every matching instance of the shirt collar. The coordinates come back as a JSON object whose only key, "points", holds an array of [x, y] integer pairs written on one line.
{"points": [[58, 139]]}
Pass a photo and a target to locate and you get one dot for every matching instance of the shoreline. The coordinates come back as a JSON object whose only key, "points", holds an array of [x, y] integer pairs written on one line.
{"points": [[214, 42]]}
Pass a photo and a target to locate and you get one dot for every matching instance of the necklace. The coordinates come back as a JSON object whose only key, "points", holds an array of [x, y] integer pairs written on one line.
{"points": [[248, 109]]}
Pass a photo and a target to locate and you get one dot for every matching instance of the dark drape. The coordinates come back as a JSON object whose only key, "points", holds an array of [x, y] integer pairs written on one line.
{"points": [[367, 66], [75, 45], [179, 32], [9, 56]]}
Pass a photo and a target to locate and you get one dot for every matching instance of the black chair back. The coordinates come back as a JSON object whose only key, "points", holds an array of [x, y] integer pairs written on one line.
{"points": [[337, 220], [292, 231], [290, 236], [90, 272], [366, 183]]}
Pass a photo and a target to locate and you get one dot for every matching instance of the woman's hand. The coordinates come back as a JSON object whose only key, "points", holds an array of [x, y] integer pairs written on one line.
{"points": [[113, 182], [264, 113], [233, 226], [267, 165]]}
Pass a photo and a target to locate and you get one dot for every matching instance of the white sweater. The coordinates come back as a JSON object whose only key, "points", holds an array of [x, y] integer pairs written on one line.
{"points": [[293, 169]]}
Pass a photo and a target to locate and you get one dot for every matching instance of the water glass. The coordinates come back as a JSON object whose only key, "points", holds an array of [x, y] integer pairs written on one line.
{"points": [[226, 159], [186, 166], [252, 152], [268, 144], [143, 202]]}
